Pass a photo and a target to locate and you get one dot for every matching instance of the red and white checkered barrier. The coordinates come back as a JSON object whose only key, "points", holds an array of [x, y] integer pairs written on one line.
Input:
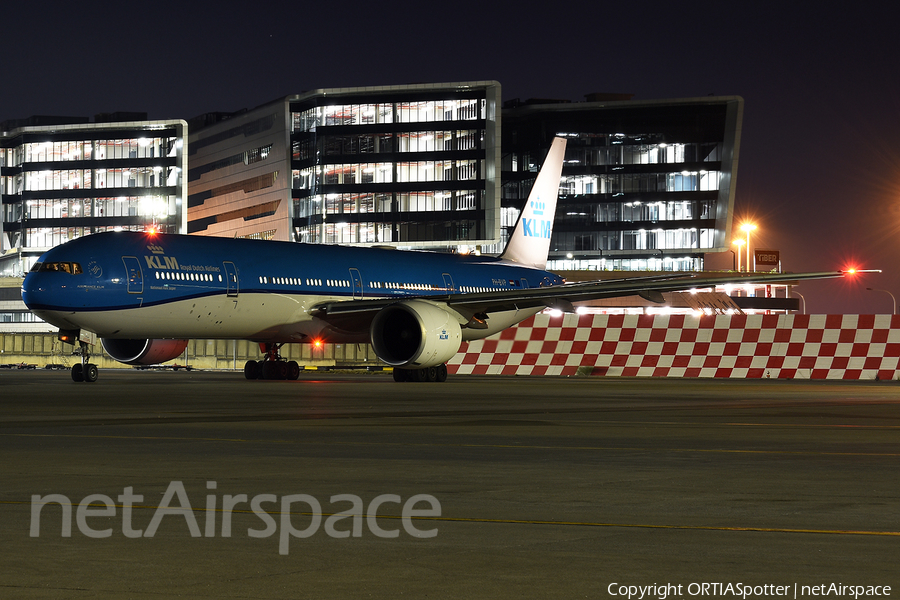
{"points": [[742, 346]]}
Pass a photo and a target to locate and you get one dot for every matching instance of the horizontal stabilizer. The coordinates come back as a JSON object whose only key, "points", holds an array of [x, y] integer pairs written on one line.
{"points": [[652, 296]]}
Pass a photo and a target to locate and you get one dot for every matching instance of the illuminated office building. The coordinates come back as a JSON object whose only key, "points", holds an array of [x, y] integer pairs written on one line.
{"points": [[647, 185], [404, 166], [63, 178]]}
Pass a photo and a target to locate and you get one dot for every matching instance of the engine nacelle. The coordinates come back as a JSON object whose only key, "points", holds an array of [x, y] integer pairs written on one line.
{"points": [[415, 333], [143, 352]]}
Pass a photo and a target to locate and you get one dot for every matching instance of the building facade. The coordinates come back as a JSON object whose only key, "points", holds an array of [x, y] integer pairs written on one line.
{"points": [[647, 185], [62, 178], [405, 166], [239, 182]]}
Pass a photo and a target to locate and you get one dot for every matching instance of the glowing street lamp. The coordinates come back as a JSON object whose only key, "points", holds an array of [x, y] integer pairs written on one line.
{"points": [[739, 243], [748, 227]]}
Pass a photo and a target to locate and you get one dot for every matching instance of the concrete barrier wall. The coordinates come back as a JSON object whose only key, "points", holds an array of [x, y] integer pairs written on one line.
{"points": [[739, 346], [43, 349]]}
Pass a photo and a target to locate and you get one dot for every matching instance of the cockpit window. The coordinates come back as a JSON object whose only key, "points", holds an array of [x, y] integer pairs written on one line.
{"points": [[72, 268]]}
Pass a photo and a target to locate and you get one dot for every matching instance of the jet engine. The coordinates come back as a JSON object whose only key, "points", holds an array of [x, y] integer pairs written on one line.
{"points": [[415, 333], [143, 352]]}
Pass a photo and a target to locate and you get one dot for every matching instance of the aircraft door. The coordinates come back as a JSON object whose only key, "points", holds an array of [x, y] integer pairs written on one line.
{"points": [[134, 275], [448, 283], [232, 284], [356, 282]]}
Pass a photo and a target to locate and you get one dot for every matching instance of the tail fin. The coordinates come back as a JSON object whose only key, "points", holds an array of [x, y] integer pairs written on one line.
{"points": [[529, 243]]}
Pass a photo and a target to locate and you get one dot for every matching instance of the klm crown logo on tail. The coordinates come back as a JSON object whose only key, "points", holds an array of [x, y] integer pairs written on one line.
{"points": [[529, 243]]}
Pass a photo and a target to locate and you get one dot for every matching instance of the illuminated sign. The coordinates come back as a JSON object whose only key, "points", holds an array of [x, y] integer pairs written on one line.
{"points": [[766, 258]]}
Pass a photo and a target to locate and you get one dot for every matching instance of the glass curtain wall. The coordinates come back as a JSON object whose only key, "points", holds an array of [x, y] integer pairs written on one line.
{"points": [[644, 186], [58, 190], [389, 172]]}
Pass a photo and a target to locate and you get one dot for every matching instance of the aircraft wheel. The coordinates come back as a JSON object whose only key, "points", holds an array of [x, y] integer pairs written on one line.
{"points": [[400, 375], [268, 370], [293, 370], [431, 373], [90, 373], [441, 373], [251, 369], [78, 372], [420, 375], [281, 370]]}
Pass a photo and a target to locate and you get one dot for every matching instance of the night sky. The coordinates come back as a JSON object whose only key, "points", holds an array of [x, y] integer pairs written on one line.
{"points": [[819, 168]]}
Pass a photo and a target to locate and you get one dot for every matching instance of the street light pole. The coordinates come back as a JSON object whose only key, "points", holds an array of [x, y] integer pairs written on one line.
{"points": [[889, 294], [748, 227], [739, 243], [802, 298]]}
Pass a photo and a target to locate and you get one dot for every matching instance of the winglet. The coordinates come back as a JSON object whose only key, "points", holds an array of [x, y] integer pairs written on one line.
{"points": [[530, 240]]}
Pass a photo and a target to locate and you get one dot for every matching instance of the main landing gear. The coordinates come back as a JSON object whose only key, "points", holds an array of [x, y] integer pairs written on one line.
{"points": [[273, 366], [84, 371], [438, 373]]}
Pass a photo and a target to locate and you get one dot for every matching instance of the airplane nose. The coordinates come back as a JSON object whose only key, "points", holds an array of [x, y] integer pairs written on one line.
{"points": [[32, 292], [42, 298], [38, 293]]}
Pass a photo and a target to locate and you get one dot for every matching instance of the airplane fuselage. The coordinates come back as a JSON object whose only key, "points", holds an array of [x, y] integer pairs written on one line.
{"points": [[138, 285]]}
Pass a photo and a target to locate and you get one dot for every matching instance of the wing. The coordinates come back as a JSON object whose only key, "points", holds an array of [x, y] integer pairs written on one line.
{"points": [[357, 315]]}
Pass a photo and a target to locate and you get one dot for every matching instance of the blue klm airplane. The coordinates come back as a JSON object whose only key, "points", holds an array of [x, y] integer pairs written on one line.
{"points": [[145, 295]]}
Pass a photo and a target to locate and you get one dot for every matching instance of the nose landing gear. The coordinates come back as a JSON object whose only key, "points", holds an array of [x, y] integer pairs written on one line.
{"points": [[84, 371]]}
